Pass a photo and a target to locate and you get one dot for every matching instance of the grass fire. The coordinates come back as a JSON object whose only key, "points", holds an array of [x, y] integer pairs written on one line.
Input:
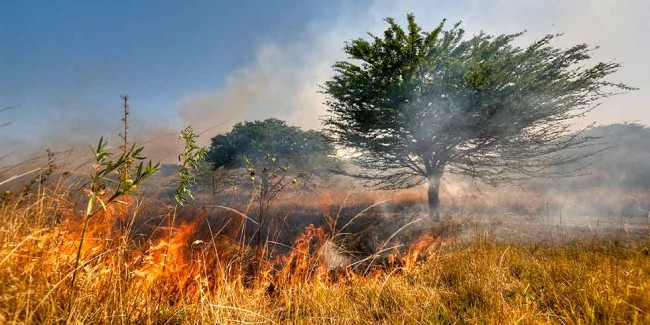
{"points": [[449, 177]]}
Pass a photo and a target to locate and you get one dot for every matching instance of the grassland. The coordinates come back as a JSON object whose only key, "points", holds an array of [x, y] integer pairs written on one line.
{"points": [[135, 268]]}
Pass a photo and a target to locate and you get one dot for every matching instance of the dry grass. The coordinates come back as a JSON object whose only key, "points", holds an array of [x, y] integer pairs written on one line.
{"points": [[127, 277]]}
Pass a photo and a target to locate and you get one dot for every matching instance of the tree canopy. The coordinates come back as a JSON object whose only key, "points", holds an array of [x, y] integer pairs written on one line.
{"points": [[413, 104], [269, 149], [258, 140]]}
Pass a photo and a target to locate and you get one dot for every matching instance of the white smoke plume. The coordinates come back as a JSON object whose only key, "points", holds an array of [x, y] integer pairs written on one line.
{"points": [[283, 80]]}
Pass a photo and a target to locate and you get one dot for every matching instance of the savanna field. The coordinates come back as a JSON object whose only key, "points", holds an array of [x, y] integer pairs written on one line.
{"points": [[364, 257], [338, 162]]}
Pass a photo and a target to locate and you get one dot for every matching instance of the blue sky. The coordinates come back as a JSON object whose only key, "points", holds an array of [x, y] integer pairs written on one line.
{"points": [[149, 48], [61, 52], [214, 63]]}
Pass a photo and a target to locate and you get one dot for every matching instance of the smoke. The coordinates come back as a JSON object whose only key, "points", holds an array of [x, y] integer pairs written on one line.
{"points": [[74, 118], [283, 80], [79, 128]]}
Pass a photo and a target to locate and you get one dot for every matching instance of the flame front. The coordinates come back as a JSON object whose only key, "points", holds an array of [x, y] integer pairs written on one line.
{"points": [[181, 265]]}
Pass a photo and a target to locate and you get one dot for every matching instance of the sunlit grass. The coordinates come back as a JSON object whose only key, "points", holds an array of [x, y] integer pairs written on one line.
{"points": [[122, 279]]}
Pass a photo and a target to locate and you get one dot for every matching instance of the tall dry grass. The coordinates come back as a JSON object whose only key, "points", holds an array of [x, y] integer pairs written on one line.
{"points": [[132, 273]]}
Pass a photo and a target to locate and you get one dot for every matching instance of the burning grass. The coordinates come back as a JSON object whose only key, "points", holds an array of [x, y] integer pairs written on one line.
{"points": [[136, 268]]}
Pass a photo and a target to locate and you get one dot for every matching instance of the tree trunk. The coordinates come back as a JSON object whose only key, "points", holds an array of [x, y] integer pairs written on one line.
{"points": [[434, 199], [263, 205]]}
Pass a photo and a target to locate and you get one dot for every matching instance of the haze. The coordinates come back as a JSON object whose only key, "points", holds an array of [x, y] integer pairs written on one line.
{"points": [[212, 64]]}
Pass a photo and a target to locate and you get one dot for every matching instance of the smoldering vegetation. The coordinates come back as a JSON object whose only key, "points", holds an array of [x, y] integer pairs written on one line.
{"points": [[328, 233], [268, 225], [610, 198]]}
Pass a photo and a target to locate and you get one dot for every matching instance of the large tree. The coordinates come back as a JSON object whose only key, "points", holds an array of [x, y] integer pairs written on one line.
{"points": [[412, 104]]}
